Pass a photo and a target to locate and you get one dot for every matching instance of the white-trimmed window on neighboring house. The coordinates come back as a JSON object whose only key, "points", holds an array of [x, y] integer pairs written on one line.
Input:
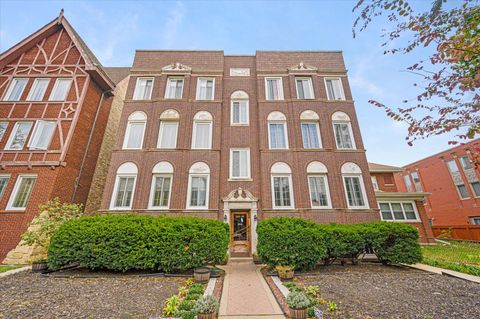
{"points": [[476, 188], [334, 89], [202, 130], [239, 111], [455, 173], [205, 89], [273, 88], [3, 129], [467, 167], [416, 181], [463, 191], [277, 131], [161, 189], [318, 185], [375, 183], [281, 184], [310, 129], [38, 89], [167, 136], [18, 136], [342, 127], [124, 187], [398, 211], [465, 162], [198, 186], [15, 90], [42, 135], [60, 89], [354, 186], [174, 89], [304, 88], [21, 192], [240, 163], [3, 184], [135, 131], [475, 220], [143, 89], [408, 183]]}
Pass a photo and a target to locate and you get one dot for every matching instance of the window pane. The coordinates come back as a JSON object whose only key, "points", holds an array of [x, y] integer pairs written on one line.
{"points": [[310, 135], [143, 89], [300, 89], [375, 183], [42, 135], [240, 163], [386, 212], [463, 191], [277, 135], [3, 128], [60, 90], [202, 132], [20, 135], [23, 193], [135, 134], [168, 134], [124, 191], [236, 112], [281, 191], [175, 88], [354, 192], [161, 191], [3, 184], [38, 90], [239, 112], [318, 191], [452, 166], [205, 89], [198, 191], [15, 90], [476, 188], [274, 89], [465, 162], [342, 135], [409, 211], [408, 183], [397, 211]]}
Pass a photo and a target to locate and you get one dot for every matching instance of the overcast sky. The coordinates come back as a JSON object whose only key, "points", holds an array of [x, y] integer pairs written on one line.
{"points": [[115, 29]]}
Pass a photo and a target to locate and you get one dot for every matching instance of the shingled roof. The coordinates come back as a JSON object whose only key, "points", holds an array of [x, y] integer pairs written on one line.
{"points": [[381, 168]]}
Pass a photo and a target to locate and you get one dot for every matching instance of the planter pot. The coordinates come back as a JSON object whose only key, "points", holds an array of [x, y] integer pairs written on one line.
{"points": [[206, 315], [38, 266], [201, 274], [298, 313], [256, 260], [286, 274]]}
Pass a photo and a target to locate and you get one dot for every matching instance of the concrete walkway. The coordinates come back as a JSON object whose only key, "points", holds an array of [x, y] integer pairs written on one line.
{"points": [[245, 293]]}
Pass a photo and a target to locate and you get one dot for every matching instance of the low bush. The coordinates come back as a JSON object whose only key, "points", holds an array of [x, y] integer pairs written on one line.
{"points": [[341, 241], [139, 242]]}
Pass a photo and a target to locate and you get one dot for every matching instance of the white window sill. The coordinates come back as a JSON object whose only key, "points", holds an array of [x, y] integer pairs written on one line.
{"points": [[197, 208], [11, 209], [120, 208], [239, 124], [240, 179], [283, 208], [321, 207]]}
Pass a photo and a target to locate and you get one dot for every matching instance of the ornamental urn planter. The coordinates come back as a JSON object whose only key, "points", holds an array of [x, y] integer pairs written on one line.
{"points": [[285, 273], [207, 315], [298, 313], [39, 265], [201, 274]]}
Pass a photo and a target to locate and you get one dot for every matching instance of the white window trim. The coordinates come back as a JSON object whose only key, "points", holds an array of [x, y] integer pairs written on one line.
{"points": [[247, 123], [115, 190], [10, 89], [292, 197], [127, 134], [362, 188], [189, 194], [8, 145], [327, 189], [350, 131], [249, 175], [473, 190], [136, 88], [417, 216], [197, 97], [160, 134], [194, 134], [320, 144], [35, 128], [13, 194], [341, 88], [281, 96], [458, 191], [310, 85], [167, 90], [34, 86], [152, 193], [375, 183], [7, 176], [286, 135], [55, 86]]}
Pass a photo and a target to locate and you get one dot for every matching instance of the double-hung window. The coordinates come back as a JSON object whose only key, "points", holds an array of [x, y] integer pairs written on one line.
{"points": [[202, 131], [457, 178], [375, 183], [408, 183], [334, 89], [416, 181], [168, 134], [21, 192], [205, 88], [310, 135], [3, 184], [174, 88], [319, 193], [282, 191], [274, 88], [401, 211], [277, 131], [19, 136], [343, 135], [15, 90], [239, 112], [198, 186], [42, 135], [304, 88], [135, 131], [38, 90], [60, 90], [3, 129], [354, 186], [161, 188], [124, 186], [240, 163], [143, 89]]}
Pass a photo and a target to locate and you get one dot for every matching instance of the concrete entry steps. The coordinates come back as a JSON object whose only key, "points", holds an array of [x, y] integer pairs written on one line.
{"points": [[246, 294]]}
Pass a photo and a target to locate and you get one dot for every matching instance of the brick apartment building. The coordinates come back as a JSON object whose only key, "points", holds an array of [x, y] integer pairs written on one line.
{"points": [[54, 97], [453, 182]]}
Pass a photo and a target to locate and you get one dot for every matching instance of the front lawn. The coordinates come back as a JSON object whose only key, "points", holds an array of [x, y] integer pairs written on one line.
{"points": [[454, 255], [4, 268]]}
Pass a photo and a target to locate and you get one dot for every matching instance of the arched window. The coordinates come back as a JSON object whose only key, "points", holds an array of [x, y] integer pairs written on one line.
{"points": [[342, 128], [202, 130], [310, 129], [277, 131], [161, 189], [318, 185], [239, 114], [282, 190], [167, 136], [354, 187], [198, 186], [124, 186], [135, 131]]}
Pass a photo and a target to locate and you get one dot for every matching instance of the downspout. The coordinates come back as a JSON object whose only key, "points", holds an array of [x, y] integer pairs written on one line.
{"points": [[77, 183]]}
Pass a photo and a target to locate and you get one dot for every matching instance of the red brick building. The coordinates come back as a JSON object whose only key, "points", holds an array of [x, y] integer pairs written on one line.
{"points": [[453, 182], [55, 98]]}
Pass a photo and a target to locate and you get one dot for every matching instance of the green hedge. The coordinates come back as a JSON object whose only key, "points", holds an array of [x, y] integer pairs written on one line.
{"points": [[139, 242], [303, 244]]}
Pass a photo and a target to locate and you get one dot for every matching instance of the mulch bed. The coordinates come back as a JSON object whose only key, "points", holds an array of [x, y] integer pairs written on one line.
{"points": [[30, 295], [370, 291]]}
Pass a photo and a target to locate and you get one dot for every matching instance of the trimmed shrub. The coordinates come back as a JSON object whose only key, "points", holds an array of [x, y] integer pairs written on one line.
{"points": [[342, 241], [139, 242], [289, 241]]}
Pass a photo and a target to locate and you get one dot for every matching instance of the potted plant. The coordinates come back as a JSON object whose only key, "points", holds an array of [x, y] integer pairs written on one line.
{"points": [[201, 274], [297, 303], [206, 307], [285, 272]]}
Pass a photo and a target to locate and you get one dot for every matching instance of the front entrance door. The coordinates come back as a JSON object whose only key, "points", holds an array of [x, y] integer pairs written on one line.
{"points": [[240, 234]]}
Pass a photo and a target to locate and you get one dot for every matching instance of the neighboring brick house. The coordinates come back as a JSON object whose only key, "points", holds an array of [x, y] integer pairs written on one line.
{"points": [[240, 139], [453, 181], [55, 98], [397, 205]]}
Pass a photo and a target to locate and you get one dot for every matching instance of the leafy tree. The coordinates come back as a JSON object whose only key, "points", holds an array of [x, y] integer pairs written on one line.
{"points": [[449, 78]]}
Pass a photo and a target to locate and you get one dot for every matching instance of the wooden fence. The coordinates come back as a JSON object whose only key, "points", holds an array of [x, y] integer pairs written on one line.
{"points": [[468, 232]]}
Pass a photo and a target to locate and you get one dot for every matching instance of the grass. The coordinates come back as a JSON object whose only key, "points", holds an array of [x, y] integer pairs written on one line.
{"points": [[456, 255], [4, 268]]}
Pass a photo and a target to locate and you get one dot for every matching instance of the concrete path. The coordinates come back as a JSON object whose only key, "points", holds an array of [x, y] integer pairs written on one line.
{"points": [[245, 293], [442, 271]]}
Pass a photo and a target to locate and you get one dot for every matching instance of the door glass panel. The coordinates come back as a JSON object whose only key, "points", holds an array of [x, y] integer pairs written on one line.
{"points": [[240, 227]]}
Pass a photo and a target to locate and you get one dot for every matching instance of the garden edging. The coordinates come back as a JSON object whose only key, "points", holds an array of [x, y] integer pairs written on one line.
{"points": [[14, 271], [442, 271]]}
